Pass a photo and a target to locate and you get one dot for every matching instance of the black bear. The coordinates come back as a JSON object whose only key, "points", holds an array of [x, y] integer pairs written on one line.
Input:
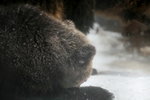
{"points": [[43, 55]]}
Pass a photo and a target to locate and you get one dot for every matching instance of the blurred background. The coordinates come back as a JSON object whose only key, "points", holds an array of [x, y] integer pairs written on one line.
{"points": [[121, 34]]}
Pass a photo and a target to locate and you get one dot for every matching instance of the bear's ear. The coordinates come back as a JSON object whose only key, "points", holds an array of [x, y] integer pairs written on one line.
{"points": [[81, 13]]}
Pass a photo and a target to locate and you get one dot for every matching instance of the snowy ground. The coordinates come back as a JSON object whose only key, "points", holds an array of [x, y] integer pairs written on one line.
{"points": [[125, 74]]}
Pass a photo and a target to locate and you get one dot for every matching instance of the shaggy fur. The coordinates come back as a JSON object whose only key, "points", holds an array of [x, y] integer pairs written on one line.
{"points": [[40, 52], [81, 12]]}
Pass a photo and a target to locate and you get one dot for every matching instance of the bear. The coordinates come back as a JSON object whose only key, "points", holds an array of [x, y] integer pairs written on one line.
{"points": [[43, 55], [39, 50]]}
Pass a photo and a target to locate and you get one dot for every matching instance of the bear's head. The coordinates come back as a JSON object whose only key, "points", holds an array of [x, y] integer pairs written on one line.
{"points": [[40, 53]]}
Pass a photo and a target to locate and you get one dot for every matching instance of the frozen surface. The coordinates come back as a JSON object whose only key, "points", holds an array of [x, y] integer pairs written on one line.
{"points": [[125, 74]]}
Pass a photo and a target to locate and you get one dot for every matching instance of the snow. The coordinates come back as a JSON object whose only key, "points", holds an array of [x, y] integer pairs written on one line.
{"points": [[125, 74]]}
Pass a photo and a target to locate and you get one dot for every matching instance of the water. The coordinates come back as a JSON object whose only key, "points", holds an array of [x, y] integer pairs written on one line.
{"points": [[125, 74]]}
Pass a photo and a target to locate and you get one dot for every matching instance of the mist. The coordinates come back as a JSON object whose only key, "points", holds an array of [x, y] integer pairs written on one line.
{"points": [[123, 72]]}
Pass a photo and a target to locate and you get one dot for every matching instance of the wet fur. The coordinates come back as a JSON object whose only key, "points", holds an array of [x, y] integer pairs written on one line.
{"points": [[81, 13], [42, 55]]}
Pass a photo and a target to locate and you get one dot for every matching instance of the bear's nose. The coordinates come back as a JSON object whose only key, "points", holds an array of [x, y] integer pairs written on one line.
{"points": [[88, 50], [86, 53]]}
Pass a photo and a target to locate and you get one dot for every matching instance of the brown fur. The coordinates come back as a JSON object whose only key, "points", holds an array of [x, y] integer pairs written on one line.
{"points": [[80, 12], [40, 54]]}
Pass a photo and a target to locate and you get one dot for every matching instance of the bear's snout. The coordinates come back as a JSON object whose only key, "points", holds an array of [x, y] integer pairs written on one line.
{"points": [[85, 54], [88, 51]]}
